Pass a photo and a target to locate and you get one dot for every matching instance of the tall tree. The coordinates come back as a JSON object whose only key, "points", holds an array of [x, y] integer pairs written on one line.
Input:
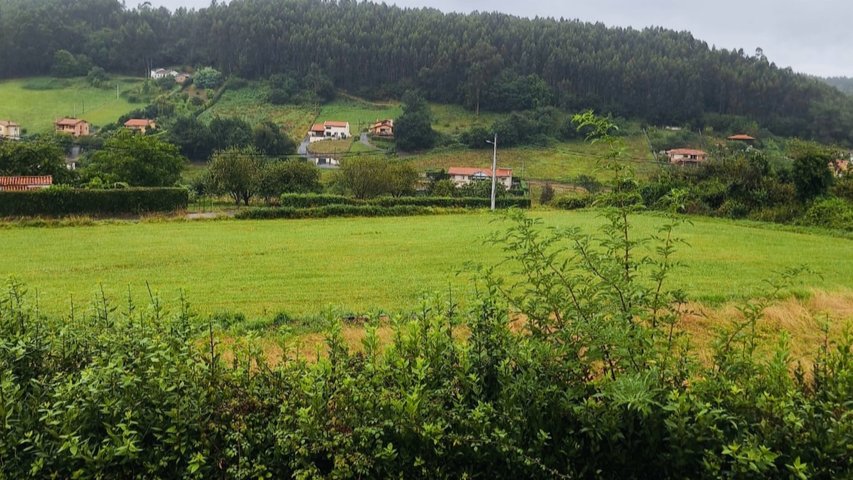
{"points": [[413, 129], [236, 172], [139, 160]]}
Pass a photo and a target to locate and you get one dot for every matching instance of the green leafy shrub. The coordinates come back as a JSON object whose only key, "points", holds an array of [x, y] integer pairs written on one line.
{"points": [[68, 201], [571, 202], [829, 213]]}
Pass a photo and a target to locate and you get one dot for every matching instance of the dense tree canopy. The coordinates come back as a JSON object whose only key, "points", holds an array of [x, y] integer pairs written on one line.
{"points": [[138, 160], [42, 157], [658, 75], [414, 127]]}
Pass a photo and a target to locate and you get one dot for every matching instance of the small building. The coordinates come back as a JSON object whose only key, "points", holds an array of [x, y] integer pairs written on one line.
{"points": [[741, 137], [183, 78], [10, 130], [23, 183], [465, 175], [383, 128], [162, 73], [140, 125], [329, 130], [681, 156], [72, 126]]}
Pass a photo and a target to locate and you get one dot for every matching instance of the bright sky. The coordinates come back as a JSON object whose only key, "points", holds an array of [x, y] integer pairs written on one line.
{"points": [[811, 36]]}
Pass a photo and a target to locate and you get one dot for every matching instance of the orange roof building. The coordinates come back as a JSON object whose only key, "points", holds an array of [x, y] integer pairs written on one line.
{"points": [[23, 183], [686, 155], [383, 128], [72, 126], [140, 124], [741, 137], [465, 175], [329, 130]]}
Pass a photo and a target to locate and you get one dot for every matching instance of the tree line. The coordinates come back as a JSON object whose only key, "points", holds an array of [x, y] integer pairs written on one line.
{"points": [[483, 60]]}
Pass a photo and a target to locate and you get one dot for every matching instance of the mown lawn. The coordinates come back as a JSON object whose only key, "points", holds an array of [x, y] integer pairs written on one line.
{"points": [[36, 102], [305, 266]]}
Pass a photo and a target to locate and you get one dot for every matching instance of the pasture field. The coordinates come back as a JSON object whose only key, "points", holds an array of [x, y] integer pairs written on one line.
{"points": [[36, 102], [455, 119], [250, 104], [561, 162], [359, 113], [305, 266]]}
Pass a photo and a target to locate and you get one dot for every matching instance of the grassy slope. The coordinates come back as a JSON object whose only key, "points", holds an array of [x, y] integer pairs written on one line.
{"points": [[359, 113], [302, 266], [250, 104], [36, 110], [560, 162]]}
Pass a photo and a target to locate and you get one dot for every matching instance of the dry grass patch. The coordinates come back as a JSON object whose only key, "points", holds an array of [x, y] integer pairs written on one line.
{"points": [[802, 319]]}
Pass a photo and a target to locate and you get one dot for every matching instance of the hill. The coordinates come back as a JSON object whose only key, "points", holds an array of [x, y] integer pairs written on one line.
{"points": [[36, 102], [485, 61], [844, 84]]}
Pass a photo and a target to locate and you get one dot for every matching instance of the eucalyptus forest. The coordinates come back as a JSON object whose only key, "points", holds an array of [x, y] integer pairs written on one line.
{"points": [[375, 50]]}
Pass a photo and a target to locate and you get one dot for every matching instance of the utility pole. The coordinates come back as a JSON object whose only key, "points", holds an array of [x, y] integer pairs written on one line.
{"points": [[494, 168]]}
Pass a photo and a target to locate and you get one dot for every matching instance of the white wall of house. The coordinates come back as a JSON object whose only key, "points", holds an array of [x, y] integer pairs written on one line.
{"points": [[462, 180], [12, 132], [337, 132]]}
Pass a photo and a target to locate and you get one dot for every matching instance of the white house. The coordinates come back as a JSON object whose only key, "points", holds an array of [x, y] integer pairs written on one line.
{"points": [[10, 130], [686, 155], [464, 175], [329, 130], [163, 73]]}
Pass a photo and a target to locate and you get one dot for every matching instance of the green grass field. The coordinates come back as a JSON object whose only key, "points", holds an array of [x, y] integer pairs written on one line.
{"points": [[455, 119], [359, 113], [304, 266], [36, 102], [250, 104], [560, 162]]}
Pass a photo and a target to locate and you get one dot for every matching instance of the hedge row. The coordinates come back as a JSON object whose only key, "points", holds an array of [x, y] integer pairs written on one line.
{"points": [[572, 203], [333, 211], [312, 200], [66, 201]]}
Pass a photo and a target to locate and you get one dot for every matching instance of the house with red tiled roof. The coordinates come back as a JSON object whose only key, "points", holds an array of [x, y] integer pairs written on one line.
{"points": [[10, 130], [329, 130], [461, 176], [741, 137], [23, 183], [383, 128], [681, 156], [140, 124], [72, 126]]}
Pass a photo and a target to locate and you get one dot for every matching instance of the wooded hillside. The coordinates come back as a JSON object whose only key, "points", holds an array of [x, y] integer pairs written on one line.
{"points": [[487, 60]]}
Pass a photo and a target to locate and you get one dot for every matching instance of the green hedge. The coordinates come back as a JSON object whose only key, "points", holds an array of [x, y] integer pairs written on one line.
{"points": [[334, 211], [64, 201], [571, 203], [312, 200]]}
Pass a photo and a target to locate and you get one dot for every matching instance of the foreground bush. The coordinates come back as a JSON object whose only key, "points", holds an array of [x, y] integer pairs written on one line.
{"points": [[66, 201]]}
